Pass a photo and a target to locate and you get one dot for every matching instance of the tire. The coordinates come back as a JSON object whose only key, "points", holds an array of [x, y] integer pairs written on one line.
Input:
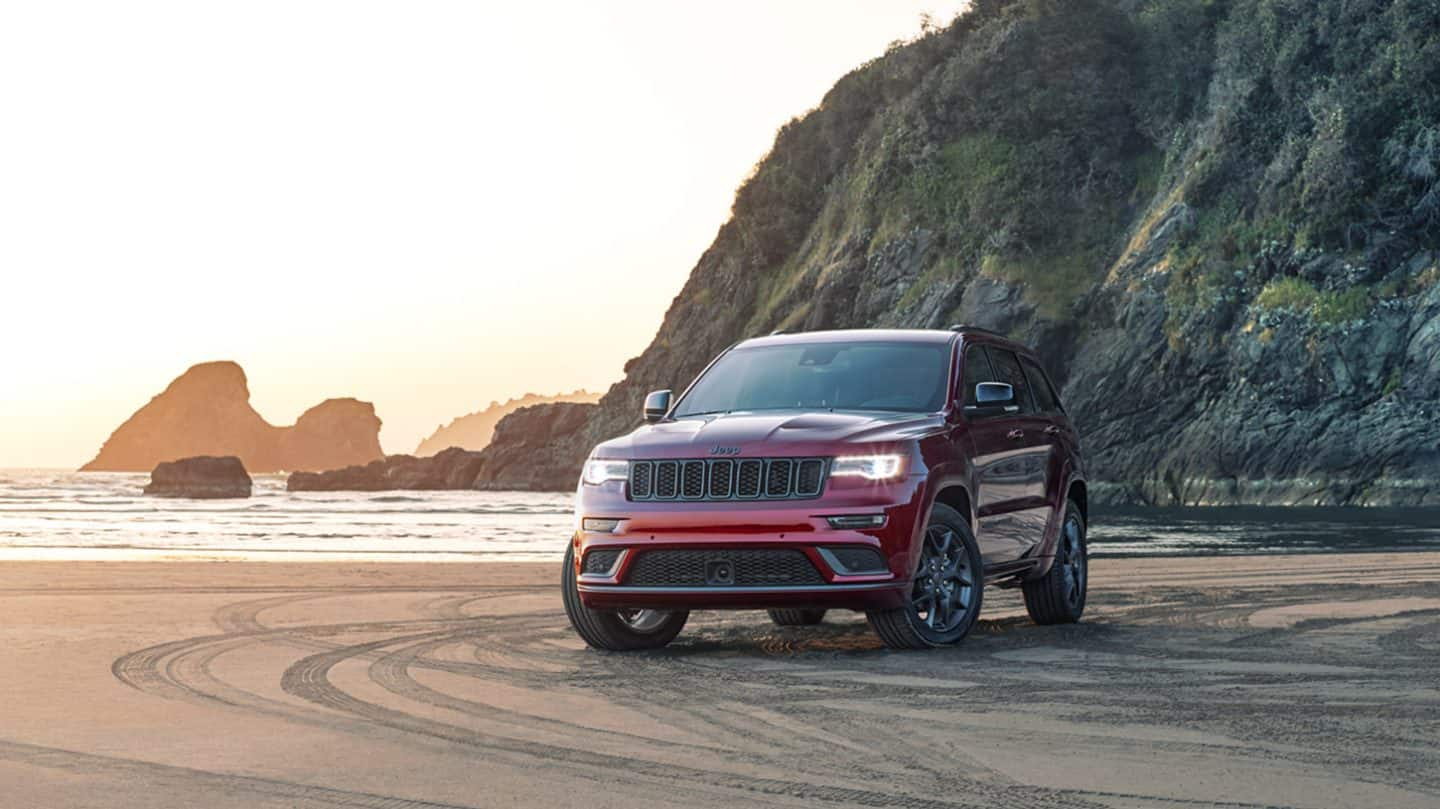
{"points": [[797, 617], [617, 630], [1058, 597], [948, 590]]}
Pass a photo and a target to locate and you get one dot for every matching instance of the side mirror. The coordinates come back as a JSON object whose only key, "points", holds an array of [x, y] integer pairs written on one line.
{"points": [[993, 399], [657, 404]]}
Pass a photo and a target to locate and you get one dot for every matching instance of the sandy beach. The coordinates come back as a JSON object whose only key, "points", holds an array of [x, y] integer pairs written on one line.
{"points": [[1304, 681]]}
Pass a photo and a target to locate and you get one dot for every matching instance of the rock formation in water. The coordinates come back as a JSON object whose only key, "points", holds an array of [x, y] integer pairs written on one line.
{"points": [[203, 477], [530, 460], [473, 431], [206, 411], [1218, 221], [453, 468]]}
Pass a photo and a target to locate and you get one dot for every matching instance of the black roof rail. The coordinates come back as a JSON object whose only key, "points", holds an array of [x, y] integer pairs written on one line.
{"points": [[965, 327]]}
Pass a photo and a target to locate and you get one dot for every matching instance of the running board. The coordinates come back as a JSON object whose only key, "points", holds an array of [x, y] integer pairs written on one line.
{"points": [[1003, 569]]}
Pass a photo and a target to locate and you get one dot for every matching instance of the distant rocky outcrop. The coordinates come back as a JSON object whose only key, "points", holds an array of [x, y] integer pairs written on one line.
{"points": [[206, 411], [474, 431], [529, 458], [453, 468], [205, 477]]}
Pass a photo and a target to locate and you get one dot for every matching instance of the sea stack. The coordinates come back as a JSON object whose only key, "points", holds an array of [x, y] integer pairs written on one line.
{"points": [[206, 411], [203, 477]]}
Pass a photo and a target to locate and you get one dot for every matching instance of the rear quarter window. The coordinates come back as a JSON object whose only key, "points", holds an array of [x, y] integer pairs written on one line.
{"points": [[1045, 397]]}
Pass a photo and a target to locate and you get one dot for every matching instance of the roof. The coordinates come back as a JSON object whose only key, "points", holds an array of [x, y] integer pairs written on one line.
{"points": [[852, 336], [931, 336]]}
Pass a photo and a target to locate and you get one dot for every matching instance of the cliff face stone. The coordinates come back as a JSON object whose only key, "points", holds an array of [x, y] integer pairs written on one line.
{"points": [[453, 468], [474, 431], [206, 411], [535, 449], [204, 477], [1218, 223]]}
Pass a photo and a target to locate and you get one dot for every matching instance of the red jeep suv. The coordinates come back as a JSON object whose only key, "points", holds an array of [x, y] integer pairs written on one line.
{"points": [[894, 472]]}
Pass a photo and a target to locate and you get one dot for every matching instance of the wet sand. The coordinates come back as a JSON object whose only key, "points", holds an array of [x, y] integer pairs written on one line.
{"points": [[1307, 681]]}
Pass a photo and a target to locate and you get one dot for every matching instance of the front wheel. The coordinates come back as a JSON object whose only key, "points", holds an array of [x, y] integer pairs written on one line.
{"points": [[1058, 597], [948, 587], [617, 630]]}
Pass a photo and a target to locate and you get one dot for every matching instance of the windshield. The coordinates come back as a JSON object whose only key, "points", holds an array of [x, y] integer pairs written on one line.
{"points": [[906, 377]]}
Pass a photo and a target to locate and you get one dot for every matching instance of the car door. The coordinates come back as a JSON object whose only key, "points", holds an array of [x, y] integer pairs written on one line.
{"points": [[1058, 430], [1012, 456]]}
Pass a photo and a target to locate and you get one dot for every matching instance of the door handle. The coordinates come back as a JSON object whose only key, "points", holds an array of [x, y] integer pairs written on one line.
{"points": [[1015, 435], [1052, 430]]}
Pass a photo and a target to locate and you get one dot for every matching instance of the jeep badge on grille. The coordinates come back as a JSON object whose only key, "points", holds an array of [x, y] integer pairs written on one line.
{"points": [[724, 450]]}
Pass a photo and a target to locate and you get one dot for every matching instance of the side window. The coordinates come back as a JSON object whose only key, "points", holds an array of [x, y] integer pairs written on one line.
{"points": [[977, 370], [1045, 398], [1007, 368]]}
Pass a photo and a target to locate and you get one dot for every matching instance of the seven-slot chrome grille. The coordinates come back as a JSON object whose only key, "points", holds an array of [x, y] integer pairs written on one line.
{"points": [[727, 479]]}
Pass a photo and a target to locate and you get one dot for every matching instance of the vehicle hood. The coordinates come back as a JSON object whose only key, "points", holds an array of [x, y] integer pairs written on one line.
{"points": [[771, 433]]}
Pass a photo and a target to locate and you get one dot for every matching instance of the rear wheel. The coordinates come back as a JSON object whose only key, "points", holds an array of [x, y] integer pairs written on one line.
{"points": [[797, 617], [617, 630], [1058, 597], [948, 588]]}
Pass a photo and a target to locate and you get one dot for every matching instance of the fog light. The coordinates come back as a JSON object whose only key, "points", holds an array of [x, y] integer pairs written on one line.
{"points": [[856, 521], [603, 525]]}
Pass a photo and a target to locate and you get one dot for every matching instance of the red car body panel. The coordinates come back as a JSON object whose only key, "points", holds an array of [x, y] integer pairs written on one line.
{"points": [[1012, 489]]}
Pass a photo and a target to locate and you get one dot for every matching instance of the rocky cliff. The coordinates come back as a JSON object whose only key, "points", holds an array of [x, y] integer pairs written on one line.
{"points": [[1218, 220], [474, 430], [535, 448], [206, 411]]}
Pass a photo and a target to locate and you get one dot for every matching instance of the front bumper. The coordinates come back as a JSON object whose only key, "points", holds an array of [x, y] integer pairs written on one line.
{"points": [[739, 527], [871, 596]]}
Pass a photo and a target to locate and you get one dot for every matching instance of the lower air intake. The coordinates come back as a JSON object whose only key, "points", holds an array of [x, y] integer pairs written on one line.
{"points": [[600, 561], [858, 560], [775, 567]]}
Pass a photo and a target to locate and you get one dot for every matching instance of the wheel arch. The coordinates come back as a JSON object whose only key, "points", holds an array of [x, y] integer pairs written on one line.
{"points": [[1078, 493], [956, 496]]}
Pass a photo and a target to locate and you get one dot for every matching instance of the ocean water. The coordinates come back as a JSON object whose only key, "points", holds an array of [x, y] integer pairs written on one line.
{"points": [[48, 514]]}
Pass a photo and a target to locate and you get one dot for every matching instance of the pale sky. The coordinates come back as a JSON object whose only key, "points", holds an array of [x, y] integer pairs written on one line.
{"points": [[424, 205]]}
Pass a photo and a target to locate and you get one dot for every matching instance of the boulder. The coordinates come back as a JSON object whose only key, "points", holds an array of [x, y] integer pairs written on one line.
{"points": [[202, 477]]}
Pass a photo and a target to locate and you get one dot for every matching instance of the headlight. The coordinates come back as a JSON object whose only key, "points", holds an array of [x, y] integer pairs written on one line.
{"points": [[598, 471], [870, 467]]}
